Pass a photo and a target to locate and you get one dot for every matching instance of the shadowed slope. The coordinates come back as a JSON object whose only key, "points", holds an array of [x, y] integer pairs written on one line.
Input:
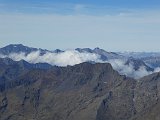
{"points": [[82, 92]]}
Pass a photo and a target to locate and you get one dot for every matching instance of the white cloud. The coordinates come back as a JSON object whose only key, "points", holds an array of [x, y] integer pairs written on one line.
{"points": [[157, 69], [129, 70], [69, 57], [72, 57]]}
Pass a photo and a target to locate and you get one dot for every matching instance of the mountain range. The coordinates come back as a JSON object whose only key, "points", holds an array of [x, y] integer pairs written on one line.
{"points": [[58, 57], [89, 90], [86, 91]]}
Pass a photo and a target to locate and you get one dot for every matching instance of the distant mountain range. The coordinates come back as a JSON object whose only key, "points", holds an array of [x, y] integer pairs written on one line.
{"points": [[84, 91], [121, 60], [150, 58], [19, 48], [144, 60], [104, 54], [139, 54]]}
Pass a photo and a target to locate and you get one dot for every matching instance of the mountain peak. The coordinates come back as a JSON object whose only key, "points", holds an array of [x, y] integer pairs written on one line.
{"points": [[20, 48], [15, 45], [84, 50], [97, 48], [16, 48], [57, 51]]}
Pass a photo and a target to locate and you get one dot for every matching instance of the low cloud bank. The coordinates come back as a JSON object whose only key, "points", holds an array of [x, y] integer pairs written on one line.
{"points": [[69, 57], [72, 57], [129, 70]]}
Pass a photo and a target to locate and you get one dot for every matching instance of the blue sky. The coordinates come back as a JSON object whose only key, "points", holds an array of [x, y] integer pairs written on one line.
{"points": [[114, 25], [119, 3], [67, 6]]}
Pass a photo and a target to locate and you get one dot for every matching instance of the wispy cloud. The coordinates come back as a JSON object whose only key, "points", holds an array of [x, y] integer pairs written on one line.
{"points": [[65, 8], [124, 31]]}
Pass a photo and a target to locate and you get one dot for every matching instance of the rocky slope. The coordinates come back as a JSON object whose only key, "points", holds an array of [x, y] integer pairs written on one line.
{"points": [[82, 92]]}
